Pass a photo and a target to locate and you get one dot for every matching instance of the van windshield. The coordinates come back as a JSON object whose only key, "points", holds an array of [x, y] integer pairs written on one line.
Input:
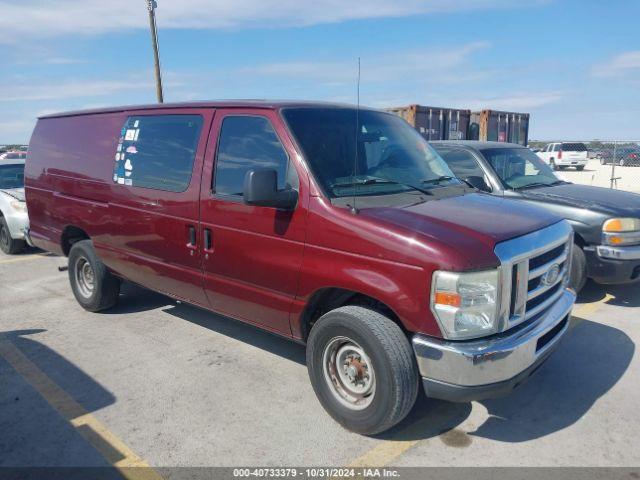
{"points": [[387, 157], [12, 176]]}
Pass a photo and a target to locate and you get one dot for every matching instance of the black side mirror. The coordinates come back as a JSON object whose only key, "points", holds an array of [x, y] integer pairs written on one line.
{"points": [[261, 190], [477, 182]]}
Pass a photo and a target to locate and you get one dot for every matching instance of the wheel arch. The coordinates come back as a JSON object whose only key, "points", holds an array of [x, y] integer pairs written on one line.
{"points": [[70, 235], [330, 298]]}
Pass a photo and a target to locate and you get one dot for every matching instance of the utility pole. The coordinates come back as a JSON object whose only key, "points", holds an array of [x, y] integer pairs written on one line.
{"points": [[151, 6]]}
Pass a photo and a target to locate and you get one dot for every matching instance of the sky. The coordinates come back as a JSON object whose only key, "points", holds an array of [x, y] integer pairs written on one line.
{"points": [[573, 64]]}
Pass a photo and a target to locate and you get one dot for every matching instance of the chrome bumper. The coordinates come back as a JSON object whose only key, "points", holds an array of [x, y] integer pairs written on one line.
{"points": [[484, 368], [618, 253]]}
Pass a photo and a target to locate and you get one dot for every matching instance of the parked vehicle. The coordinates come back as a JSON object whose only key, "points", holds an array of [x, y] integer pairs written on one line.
{"points": [[18, 155], [606, 221], [13, 209], [366, 248], [624, 156], [562, 155]]}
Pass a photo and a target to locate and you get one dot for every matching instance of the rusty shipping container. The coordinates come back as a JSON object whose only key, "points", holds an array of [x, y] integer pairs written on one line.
{"points": [[435, 123], [497, 126]]}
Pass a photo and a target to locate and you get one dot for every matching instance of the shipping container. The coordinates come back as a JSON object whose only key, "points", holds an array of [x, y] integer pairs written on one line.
{"points": [[497, 126], [435, 123]]}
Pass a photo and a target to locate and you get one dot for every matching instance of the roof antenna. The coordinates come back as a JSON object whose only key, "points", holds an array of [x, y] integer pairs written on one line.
{"points": [[354, 210]]}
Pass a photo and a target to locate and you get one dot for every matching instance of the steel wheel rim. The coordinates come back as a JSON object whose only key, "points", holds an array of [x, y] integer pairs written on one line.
{"points": [[349, 373], [85, 277]]}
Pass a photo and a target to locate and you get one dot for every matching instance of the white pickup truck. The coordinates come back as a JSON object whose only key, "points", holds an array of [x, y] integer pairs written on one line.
{"points": [[562, 155]]}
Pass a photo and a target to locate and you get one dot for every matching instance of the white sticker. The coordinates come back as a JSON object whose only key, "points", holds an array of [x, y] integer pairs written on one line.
{"points": [[127, 174], [128, 181], [130, 135], [117, 157], [127, 165], [120, 180], [119, 147], [136, 123], [132, 149], [115, 177], [135, 138]]}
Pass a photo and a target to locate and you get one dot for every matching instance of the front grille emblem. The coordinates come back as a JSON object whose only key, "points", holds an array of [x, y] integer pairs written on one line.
{"points": [[550, 277]]}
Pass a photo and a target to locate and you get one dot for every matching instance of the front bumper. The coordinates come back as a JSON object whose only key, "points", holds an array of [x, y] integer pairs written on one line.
{"points": [[472, 370], [17, 222], [613, 265]]}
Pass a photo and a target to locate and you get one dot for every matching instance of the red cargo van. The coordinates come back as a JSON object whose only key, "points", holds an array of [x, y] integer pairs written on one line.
{"points": [[306, 219]]}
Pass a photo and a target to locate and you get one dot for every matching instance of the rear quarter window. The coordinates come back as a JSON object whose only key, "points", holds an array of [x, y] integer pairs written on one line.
{"points": [[157, 151], [574, 147]]}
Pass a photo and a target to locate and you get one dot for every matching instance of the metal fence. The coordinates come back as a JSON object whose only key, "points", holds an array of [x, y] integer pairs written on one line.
{"points": [[610, 163]]}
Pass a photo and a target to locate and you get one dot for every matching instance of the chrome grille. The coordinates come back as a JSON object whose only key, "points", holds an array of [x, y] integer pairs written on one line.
{"points": [[535, 269]]}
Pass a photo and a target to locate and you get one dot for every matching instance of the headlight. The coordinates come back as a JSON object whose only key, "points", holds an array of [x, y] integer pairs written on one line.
{"points": [[466, 304], [621, 231], [19, 206]]}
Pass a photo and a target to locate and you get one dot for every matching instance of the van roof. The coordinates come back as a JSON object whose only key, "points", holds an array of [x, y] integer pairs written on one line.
{"points": [[266, 104]]}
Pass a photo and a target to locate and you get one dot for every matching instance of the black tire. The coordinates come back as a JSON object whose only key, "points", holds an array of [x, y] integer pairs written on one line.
{"points": [[578, 269], [84, 264], [9, 245], [580, 168], [395, 372], [552, 164]]}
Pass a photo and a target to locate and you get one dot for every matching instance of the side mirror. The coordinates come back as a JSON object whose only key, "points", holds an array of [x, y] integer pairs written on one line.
{"points": [[477, 182], [261, 190]]}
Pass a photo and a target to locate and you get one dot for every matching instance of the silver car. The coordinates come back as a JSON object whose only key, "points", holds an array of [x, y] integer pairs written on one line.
{"points": [[13, 209]]}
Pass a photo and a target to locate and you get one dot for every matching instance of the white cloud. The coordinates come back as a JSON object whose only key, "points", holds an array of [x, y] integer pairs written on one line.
{"points": [[70, 89], [516, 101], [37, 19], [618, 65]]}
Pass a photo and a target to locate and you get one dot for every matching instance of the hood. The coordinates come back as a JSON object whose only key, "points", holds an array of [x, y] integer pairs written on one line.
{"points": [[603, 200], [17, 193], [463, 221]]}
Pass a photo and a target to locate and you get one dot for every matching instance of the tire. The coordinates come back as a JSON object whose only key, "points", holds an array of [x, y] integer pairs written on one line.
{"points": [[602, 161], [9, 245], [385, 353], [621, 162], [578, 269], [580, 168], [552, 164], [94, 287]]}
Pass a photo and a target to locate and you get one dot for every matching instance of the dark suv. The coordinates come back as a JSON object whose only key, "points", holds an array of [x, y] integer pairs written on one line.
{"points": [[606, 221]]}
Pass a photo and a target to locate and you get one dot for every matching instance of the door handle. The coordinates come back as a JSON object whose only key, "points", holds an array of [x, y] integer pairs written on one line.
{"points": [[207, 239], [192, 236]]}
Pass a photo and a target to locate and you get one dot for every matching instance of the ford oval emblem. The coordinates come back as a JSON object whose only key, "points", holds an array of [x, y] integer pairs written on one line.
{"points": [[550, 277]]}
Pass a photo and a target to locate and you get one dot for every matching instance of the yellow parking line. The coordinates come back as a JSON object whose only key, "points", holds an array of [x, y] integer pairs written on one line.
{"points": [[89, 427], [387, 451], [23, 258]]}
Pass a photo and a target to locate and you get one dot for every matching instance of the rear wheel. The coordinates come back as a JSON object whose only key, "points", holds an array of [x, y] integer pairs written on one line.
{"points": [[8, 244], [94, 287], [580, 168], [578, 269], [362, 368]]}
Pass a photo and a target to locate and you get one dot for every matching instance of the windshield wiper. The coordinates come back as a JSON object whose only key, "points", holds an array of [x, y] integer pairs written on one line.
{"points": [[439, 179], [379, 181], [533, 185]]}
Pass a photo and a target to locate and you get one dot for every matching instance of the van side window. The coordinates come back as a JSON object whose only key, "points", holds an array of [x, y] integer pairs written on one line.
{"points": [[157, 151], [461, 162], [246, 143]]}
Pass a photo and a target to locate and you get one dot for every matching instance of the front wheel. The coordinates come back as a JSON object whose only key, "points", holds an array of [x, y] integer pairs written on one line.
{"points": [[362, 368], [578, 269], [8, 244], [94, 287]]}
